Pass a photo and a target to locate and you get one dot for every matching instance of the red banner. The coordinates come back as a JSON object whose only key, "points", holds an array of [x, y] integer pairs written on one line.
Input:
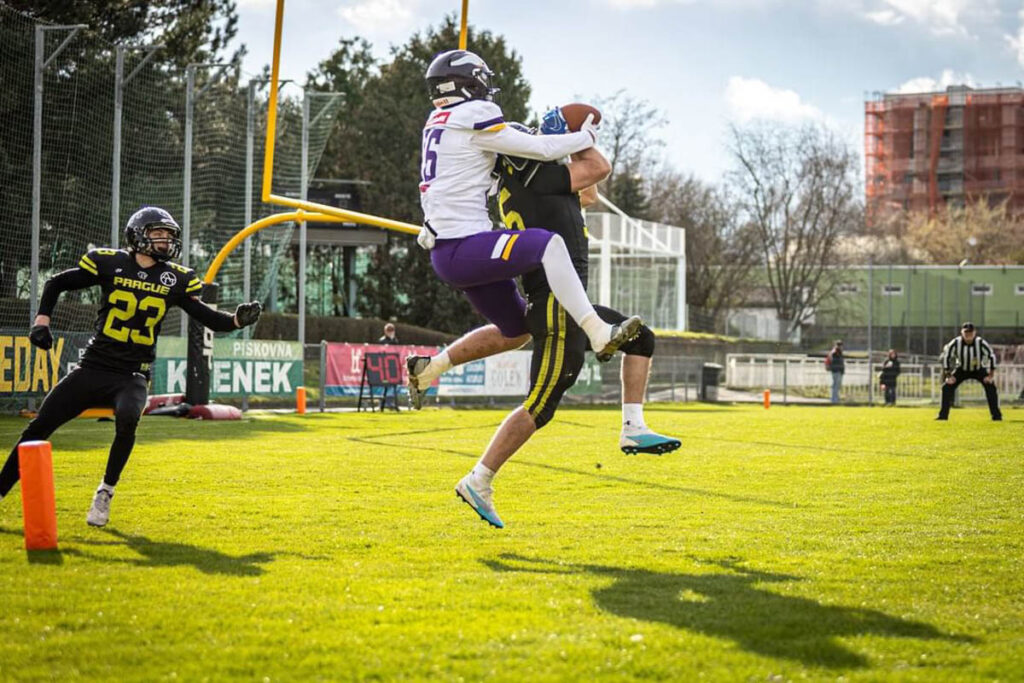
{"points": [[345, 365]]}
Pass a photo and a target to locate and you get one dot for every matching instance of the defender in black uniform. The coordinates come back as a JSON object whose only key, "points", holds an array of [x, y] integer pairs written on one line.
{"points": [[139, 286], [542, 193]]}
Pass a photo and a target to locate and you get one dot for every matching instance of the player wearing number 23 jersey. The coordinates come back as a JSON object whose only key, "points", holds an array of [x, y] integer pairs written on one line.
{"points": [[138, 287]]}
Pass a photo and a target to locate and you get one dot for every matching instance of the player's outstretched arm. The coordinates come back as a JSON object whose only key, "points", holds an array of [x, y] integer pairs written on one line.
{"points": [[510, 141], [66, 281], [218, 321]]}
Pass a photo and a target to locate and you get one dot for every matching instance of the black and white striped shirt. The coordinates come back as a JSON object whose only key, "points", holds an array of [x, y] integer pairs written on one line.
{"points": [[959, 355]]}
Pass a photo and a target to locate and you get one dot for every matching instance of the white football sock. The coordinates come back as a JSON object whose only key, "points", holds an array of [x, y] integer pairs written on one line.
{"points": [[437, 366], [483, 474], [104, 486], [633, 416], [566, 286]]}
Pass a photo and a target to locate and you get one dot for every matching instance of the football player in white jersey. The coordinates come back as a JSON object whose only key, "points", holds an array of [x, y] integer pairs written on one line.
{"points": [[461, 141]]}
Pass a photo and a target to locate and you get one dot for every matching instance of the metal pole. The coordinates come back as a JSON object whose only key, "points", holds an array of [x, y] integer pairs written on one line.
{"points": [[186, 211], [119, 83], [682, 322], [115, 189], [41, 61], [323, 375], [303, 194], [37, 172], [250, 130], [888, 338], [871, 312]]}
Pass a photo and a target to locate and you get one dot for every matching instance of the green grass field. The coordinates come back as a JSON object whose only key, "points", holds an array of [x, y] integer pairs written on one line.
{"points": [[819, 543]]}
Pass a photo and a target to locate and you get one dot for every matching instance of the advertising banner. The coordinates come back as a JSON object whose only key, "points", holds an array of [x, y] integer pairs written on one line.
{"points": [[386, 362], [240, 366], [28, 371], [588, 382]]}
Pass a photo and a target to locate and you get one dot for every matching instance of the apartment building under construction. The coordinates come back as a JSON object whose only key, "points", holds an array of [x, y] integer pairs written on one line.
{"points": [[925, 151]]}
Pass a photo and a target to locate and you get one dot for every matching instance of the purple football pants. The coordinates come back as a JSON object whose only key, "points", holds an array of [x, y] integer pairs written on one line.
{"points": [[484, 267]]}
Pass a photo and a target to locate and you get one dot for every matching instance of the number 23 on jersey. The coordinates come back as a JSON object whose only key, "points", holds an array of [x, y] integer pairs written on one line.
{"points": [[123, 308]]}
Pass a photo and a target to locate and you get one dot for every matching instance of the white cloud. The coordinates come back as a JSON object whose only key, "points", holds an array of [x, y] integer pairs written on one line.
{"points": [[379, 16], [885, 17], [947, 78], [1016, 42], [751, 98], [941, 17]]}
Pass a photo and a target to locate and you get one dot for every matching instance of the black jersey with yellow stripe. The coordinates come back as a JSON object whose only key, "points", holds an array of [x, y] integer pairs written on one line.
{"points": [[135, 301], [536, 194]]}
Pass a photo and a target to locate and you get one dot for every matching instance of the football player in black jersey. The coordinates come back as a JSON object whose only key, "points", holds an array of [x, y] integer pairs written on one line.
{"points": [[548, 194], [139, 285]]}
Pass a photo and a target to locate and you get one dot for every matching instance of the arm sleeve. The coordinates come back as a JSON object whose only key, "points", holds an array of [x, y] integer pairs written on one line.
{"points": [[550, 179], [541, 147], [217, 321], [70, 279]]}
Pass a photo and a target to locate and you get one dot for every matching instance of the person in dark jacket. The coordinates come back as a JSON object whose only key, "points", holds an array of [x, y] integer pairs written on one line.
{"points": [[835, 362], [389, 335], [890, 371]]}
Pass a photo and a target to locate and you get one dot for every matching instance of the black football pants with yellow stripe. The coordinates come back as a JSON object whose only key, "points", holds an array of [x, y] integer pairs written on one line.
{"points": [[84, 388], [559, 345]]}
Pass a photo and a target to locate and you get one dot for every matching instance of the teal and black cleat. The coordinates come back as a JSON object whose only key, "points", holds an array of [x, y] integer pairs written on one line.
{"points": [[479, 499], [647, 442]]}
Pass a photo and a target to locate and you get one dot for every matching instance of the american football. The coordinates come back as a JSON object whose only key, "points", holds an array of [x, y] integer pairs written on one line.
{"points": [[576, 113]]}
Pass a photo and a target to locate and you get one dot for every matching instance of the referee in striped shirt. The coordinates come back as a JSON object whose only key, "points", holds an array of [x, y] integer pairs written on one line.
{"points": [[968, 356]]}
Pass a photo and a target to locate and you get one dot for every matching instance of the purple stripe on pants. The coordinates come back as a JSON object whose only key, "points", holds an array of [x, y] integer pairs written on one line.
{"points": [[478, 266]]}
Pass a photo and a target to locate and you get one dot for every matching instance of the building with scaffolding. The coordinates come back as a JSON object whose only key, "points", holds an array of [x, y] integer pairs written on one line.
{"points": [[925, 151]]}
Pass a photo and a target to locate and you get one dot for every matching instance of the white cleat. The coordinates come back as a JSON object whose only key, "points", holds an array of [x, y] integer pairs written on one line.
{"points": [[415, 365], [621, 334], [479, 498], [99, 513]]}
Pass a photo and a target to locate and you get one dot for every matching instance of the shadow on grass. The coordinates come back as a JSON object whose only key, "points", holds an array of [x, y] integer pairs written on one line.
{"points": [[161, 554], [582, 473], [82, 434], [732, 606]]}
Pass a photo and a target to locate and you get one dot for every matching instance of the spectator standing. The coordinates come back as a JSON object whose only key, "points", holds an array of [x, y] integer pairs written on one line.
{"points": [[968, 356], [389, 335], [835, 362], [890, 372]]}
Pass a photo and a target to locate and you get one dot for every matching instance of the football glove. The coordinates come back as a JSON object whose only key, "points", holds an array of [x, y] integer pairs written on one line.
{"points": [[553, 123], [248, 314], [588, 126], [40, 336], [426, 238]]}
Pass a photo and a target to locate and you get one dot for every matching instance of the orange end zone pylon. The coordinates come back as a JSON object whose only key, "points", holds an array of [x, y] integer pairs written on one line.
{"points": [[38, 501], [300, 400]]}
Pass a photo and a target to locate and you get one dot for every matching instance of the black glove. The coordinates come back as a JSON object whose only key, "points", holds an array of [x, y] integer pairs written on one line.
{"points": [[248, 314], [40, 336]]}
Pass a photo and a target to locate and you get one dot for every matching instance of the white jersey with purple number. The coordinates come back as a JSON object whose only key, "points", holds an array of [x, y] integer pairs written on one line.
{"points": [[455, 175], [460, 146]]}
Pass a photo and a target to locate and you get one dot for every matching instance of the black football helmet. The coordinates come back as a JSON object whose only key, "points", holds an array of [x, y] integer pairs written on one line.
{"points": [[459, 75], [136, 233]]}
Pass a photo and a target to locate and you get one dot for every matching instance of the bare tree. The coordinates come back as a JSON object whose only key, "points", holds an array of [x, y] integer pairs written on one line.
{"points": [[721, 250], [628, 137], [797, 188]]}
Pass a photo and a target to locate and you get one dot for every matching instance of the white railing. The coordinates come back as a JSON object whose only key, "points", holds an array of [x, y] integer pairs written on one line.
{"points": [[807, 376]]}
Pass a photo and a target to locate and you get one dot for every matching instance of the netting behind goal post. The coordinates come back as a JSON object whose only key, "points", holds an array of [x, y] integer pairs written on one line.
{"points": [[77, 174]]}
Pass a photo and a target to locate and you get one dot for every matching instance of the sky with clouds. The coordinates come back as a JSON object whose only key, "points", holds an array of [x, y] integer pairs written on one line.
{"points": [[703, 63]]}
